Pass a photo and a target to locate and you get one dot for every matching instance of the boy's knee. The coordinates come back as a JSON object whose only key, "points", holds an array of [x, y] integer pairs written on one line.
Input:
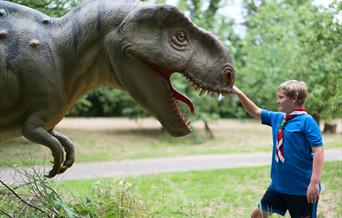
{"points": [[255, 213], [258, 214]]}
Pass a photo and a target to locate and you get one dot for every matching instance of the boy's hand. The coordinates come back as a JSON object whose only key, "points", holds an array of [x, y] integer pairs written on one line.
{"points": [[235, 90], [312, 193]]}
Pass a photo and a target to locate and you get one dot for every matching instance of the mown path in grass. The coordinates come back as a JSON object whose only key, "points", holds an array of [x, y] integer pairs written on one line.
{"points": [[160, 165], [231, 149]]}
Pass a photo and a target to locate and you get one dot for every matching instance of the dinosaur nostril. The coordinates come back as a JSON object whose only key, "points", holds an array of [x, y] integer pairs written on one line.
{"points": [[3, 34], [229, 74], [229, 80], [229, 77]]}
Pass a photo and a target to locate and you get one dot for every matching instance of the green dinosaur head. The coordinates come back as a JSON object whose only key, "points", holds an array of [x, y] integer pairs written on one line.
{"points": [[150, 44]]}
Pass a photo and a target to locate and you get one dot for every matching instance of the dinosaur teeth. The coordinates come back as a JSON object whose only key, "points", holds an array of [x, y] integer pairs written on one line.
{"points": [[202, 92], [202, 89], [220, 97]]}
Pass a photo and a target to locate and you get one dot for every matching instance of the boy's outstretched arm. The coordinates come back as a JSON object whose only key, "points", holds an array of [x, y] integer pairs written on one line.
{"points": [[247, 103]]}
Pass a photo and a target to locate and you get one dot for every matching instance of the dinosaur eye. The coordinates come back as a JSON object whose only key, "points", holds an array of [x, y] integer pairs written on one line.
{"points": [[181, 36], [179, 40]]}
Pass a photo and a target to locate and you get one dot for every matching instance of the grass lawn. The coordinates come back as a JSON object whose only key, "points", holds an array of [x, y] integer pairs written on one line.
{"points": [[228, 193], [130, 140]]}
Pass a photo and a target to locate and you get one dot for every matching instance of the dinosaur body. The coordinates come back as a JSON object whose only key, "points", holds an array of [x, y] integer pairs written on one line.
{"points": [[46, 64]]}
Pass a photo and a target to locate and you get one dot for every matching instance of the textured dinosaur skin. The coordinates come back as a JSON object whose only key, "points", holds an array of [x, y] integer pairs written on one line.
{"points": [[46, 64]]}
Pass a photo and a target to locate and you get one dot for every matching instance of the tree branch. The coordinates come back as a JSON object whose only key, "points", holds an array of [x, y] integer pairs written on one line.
{"points": [[22, 200], [2, 211]]}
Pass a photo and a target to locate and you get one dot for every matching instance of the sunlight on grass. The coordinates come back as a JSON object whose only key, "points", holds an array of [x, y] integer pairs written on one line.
{"points": [[226, 193], [217, 193], [134, 142]]}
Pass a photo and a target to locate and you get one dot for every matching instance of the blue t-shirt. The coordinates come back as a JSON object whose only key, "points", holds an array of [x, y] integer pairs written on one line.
{"points": [[300, 134]]}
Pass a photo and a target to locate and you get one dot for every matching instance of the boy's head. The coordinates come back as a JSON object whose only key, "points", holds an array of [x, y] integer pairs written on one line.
{"points": [[294, 89]]}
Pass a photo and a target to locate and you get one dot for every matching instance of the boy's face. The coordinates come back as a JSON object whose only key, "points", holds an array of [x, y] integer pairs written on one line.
{"points": [[285, 103]]}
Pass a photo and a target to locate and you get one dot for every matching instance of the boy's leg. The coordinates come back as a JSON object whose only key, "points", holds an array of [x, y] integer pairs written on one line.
{"points": [[300, 208], [258, 213], [271, 202]]}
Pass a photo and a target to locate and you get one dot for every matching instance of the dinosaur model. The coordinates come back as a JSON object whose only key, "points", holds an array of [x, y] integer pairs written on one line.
{"points": [[46, 64]]}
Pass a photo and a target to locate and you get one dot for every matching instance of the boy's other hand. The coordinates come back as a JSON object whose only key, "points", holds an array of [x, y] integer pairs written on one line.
{"points": [[312, 193]]}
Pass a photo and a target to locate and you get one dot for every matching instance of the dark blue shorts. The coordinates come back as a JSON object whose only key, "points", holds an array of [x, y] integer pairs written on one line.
{"points": [[298, 206]]}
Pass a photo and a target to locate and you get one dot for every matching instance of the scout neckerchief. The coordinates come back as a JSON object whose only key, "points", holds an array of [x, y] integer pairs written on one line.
{"points": [[280, 137]]}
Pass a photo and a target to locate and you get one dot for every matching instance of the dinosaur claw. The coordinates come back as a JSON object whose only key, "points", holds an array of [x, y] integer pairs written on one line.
{"points": [[51, 174], [54, 171], [48, 176], [65, 166], [62, 169], [68, 163]]}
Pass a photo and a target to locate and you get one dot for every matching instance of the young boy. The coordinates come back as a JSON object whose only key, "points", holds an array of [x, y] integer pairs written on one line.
{"points": [[297, 158]]}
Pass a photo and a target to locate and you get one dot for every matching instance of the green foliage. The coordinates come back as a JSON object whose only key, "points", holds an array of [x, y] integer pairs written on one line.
{"points": [[107, 102], [214, 193], [54, 8], [40, 197], [293, 41], [37, 197], [82, 107], [321, 52], [284, 40], [229, 193]]}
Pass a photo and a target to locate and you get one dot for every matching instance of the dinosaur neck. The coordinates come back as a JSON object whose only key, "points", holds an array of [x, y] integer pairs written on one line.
{"points": [[79, 41]]}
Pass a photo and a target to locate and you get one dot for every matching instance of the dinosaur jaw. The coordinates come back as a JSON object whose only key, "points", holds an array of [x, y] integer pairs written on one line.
{"points": [[176, 95]]}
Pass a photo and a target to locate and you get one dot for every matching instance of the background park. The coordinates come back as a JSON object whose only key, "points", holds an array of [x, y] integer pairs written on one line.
{"points": [[271, 42]]}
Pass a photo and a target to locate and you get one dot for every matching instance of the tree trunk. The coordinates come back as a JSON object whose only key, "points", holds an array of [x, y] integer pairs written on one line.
{"points": [[208, 130], [330, 128], [316, 117]]}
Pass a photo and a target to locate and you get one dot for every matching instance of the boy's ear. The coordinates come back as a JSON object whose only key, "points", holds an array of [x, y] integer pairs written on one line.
{"points": [[294, 99]]}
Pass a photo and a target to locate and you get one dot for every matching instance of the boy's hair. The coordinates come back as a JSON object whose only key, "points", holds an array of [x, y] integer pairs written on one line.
{"points": [[294, 88]]}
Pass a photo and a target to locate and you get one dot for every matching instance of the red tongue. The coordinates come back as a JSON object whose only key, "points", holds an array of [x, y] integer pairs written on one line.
{"points": [[176, 94], [179, 96]]}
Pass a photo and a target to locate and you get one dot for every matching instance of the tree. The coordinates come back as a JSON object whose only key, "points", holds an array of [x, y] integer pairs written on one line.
{"points": [[54, 8], [322, 49], [293, 41]]}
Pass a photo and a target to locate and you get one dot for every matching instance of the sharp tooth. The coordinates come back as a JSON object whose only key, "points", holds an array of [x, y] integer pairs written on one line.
{"points": [[197, 88], [220, 97], [188, 122], [212, 94], [202, 92]]}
